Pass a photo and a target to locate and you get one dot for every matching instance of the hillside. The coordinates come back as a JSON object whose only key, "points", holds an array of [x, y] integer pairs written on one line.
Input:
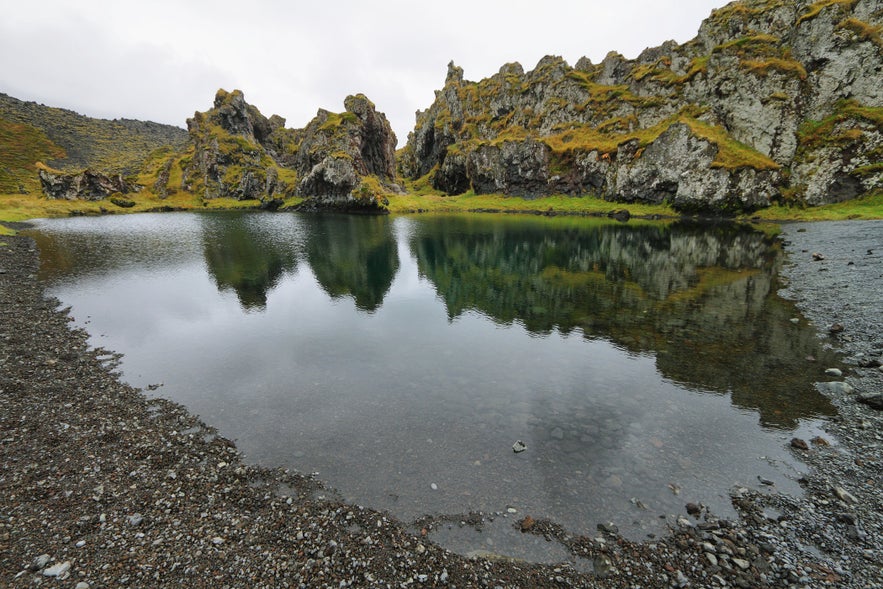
{"points": [[773, 101], [63, 139]]}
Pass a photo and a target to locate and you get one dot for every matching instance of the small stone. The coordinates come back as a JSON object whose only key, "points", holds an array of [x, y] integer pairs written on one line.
{"points": [[135, 519], [765, 481], [59, 570], [741, 563], [794, 320], [817, 257], [845, 495], [82, 585], [217, 540], [519, 447], [799, 444], [511, 510], [835, 388], [820, 441], [835, 372], [682, 579], [603, 566], [80, 544], [711, 558], [528, 523], [836, 328], [433, 486], [421, 549], [40, 562], [608, 527], [693, 509]]}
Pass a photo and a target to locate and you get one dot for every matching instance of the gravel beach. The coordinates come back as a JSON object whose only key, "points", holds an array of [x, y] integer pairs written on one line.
{"points": [[102, 487]]}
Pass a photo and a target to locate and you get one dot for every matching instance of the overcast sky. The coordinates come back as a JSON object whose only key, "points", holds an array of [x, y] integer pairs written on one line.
{"points": [[162, 60]]}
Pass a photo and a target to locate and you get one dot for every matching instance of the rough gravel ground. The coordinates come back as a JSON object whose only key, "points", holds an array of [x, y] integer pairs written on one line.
{"points": [[101, 487]]}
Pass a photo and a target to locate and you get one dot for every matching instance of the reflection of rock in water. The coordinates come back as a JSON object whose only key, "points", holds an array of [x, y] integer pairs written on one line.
{"points": [[354, 256], [700, 297], [241, 257]]}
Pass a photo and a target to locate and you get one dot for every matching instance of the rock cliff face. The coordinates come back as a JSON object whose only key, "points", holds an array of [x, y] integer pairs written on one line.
{"points": [[772, 101], [231, 153], [85, 185], [344, 159], [340, 161]]}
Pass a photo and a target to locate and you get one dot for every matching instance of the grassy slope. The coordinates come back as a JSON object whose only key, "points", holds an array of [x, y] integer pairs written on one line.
{"points": [[118, 146]]}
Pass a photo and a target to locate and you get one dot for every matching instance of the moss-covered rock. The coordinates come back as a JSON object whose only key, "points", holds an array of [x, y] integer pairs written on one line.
{"points": [[738, 97], [338, 151], [84, 185]]}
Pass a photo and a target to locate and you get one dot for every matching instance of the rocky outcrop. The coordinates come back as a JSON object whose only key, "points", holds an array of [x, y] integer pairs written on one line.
{"points": [[85, 185], [340, 161], [232, 153], [772, 101], [338, 151]]}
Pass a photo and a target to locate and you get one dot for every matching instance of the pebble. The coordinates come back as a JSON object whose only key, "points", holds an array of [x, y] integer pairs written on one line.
{"points": [[40, 562], [433, 486], [835, 372], [135, 519], [82, 585], [59, 570]]}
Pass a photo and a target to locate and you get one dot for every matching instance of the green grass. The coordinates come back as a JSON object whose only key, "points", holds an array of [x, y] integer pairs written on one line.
{"points": [[21, 147], [17, 207], [868, 207]]}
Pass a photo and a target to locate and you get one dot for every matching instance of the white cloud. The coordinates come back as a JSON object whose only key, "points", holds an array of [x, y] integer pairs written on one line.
{"points": [[165, 59]]}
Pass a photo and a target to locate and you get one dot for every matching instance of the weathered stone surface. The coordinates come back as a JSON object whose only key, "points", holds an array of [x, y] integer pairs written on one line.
{"points": [[770, 102], [336, 153], [85, 185], [233, 152]]}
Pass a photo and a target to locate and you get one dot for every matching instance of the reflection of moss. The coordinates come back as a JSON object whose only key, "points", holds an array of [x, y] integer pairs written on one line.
{"points": [[243, 260], [701, 299], [354, 256]]}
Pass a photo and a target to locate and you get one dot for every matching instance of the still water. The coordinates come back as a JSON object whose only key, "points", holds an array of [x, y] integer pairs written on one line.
{"points": [[643, 365]]}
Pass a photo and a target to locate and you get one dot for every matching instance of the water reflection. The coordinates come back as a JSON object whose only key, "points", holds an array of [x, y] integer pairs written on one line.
{"points": [[628, 357], [702, 298], [242, 255], [355, 256]]}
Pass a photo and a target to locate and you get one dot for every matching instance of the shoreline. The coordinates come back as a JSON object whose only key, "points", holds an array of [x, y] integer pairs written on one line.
{"points": [[138, 492]]}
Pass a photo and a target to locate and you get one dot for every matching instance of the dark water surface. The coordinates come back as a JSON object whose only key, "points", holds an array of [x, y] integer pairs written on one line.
{"points": [[400, 358]]}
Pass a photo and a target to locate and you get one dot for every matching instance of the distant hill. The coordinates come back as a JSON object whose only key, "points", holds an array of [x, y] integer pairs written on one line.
{"points": [[63, 139]]}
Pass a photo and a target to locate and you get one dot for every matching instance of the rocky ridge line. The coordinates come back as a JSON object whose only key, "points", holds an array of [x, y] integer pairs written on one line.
{"points": [[772, 101]]}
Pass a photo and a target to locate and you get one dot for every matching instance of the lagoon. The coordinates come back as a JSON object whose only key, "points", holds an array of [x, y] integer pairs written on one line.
{"points": [[644, 365]]}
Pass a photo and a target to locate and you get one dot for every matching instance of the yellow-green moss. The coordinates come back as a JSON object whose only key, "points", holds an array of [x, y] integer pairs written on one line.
{"points": [[814, 133], [862, 30], [763, 66], [21, 147], [817, 7], [731, 153]]}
